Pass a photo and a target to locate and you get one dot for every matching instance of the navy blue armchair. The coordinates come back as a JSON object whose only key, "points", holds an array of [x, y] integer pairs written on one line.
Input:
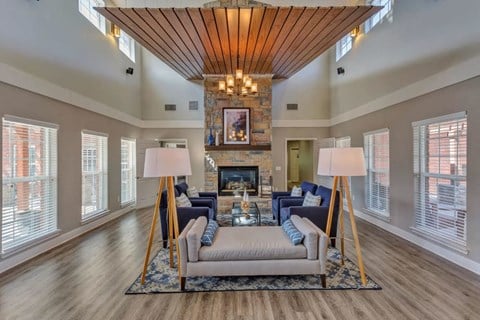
{"points": [[318, 214], [279, 195], [205, 205]]}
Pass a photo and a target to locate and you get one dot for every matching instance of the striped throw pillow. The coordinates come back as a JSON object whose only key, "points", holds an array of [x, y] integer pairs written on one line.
{"points": [[192, 192], [209, 233], [311, 200], [296, 237], [296, 192], [183, 201]]}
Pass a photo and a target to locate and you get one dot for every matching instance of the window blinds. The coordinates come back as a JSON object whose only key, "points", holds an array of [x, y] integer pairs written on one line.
{"points": [[29, 197], [440, 169], [128, 171], [377, 181], [94, 174]]}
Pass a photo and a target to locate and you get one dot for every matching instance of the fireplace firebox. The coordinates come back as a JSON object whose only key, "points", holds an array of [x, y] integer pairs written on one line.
{"points": [[232, 181]]}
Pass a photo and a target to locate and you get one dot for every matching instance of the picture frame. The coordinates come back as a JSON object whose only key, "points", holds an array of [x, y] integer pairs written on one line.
{"points": [[236, 126]]}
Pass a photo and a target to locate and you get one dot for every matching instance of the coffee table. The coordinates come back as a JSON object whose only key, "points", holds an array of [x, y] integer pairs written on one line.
{"points": [[251, 218]]}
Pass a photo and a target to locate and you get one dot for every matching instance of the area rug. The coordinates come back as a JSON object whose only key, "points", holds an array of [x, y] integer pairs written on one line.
{"points": [[162, 279]]}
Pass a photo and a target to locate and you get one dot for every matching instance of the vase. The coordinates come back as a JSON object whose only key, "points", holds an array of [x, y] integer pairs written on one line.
{"points": [[217, 138], [211, 139]]}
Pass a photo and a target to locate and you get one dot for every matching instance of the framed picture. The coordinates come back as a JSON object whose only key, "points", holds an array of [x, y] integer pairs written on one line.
{"points": [[236, 126]]}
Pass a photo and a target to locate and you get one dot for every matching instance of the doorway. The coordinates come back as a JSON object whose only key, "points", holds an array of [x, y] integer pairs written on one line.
{"points": [[299, 161]]}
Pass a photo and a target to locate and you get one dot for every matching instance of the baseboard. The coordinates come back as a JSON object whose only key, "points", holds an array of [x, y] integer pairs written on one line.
{"points": [[445, 253], [32, 252]]}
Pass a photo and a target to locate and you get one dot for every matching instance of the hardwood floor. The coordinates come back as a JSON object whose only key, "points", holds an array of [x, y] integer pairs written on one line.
{"points": [[86, 278]]}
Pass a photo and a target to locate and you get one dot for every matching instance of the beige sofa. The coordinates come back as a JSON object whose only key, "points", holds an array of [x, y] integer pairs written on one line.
{"points": [[247, 251]]}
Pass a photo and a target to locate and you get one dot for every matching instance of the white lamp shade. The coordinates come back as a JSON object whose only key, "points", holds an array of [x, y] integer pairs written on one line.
{"points": [[341, 162], [166, 162]]}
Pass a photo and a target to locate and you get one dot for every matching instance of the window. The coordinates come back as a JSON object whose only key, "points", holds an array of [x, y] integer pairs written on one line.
{"points": [[343, 46], [377, 181], [86, 8], [94, 174], [385, 12], [440, 168], [127, 45], [29, 182], [128, 167]]}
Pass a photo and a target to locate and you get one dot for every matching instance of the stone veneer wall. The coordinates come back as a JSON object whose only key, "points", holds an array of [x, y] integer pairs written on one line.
{"points": [[260, 130]]}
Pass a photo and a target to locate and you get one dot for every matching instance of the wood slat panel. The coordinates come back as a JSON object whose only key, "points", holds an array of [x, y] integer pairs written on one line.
{"points": [[200, 29], [258, 40]]}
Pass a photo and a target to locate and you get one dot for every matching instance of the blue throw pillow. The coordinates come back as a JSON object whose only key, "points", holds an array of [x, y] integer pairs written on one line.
{"points": [[209, 233], [292, 232]]}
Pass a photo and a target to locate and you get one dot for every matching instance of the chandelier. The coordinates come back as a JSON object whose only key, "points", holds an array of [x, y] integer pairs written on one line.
{"points": [[239, 84]]}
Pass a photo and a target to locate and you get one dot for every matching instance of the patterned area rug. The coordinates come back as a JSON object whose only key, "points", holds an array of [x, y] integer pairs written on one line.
{"points": [[161, 279]]}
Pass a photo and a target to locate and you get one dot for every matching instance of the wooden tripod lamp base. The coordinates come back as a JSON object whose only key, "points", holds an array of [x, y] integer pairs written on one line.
{"points": [[342, 163], [166, 163]]}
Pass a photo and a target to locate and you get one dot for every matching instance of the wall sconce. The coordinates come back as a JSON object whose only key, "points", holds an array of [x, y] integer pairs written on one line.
{"points": [[115, 30], [355, 32]]}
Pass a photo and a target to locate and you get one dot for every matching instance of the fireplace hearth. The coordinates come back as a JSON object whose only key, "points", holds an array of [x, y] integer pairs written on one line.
{"points": [[232, 181]]}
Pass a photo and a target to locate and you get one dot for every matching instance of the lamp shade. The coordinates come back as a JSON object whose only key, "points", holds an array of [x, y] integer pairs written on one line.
{"points": [[342, 162], [166, 162]]}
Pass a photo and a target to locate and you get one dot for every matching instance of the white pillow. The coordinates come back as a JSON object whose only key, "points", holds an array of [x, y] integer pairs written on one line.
{"points": [[183, 201], [296, 192], [192, 192], [311, 200]]}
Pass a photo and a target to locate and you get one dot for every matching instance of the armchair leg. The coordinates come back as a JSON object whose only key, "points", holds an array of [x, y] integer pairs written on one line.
{"points": [[323, 278]]}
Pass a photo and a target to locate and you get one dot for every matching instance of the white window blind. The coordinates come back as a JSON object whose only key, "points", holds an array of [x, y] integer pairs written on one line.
{"points": [[94, 174], [127, 45], [440, 169], [343, 46], [29, 195], [377, 181], [86, 8], [128, 167], [342, 142], [384, 13]]}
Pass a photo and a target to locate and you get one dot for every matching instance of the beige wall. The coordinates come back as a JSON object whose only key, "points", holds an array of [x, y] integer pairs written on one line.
{"points": [[423, 39], [279, 139], [463, 96], [53, 41], [72, 121]]}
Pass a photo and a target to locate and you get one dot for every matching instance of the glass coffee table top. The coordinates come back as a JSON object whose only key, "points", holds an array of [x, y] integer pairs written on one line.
{"points": [[250, 218]]}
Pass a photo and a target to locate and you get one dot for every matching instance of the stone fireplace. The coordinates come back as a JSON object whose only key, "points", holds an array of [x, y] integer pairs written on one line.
{"points": [[233, 180], [255, 154]]}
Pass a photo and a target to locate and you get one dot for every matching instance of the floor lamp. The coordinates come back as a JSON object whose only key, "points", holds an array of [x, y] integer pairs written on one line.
{"points": [[342, 163], [165, 163]]}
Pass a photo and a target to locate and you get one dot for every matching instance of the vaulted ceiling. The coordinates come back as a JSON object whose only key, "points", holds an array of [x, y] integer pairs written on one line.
{"points": [[259, 40]]}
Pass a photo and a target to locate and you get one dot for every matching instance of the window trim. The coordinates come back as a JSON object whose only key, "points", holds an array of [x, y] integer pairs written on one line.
{"points": [[134, 168]]}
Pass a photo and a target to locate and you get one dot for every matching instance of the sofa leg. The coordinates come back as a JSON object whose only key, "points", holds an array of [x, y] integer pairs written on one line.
{"points": [[183, 281], [333, 242], [323, 278], [164, 243]]}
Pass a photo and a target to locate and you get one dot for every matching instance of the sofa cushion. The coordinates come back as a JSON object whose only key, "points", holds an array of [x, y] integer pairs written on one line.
{"points": [[308, 186], [296, 237], [182, 201], [192, 192], [209, 233], [311, 236], [247, 243], [296, 192], [311, 201], [194, 237], [181, 188]]}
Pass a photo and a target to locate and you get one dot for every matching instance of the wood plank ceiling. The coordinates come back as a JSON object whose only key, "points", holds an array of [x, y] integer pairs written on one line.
{"points": [[260, 40]]}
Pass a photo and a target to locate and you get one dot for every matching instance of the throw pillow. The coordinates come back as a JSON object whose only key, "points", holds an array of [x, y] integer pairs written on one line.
{"points": [[209, 233], [296, 192], [296, 237], [192, 192], [183, 201], [311, 200]]}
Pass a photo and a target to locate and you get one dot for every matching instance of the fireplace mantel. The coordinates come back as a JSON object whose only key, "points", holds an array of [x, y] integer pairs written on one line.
{"points": [[238, 147]]}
